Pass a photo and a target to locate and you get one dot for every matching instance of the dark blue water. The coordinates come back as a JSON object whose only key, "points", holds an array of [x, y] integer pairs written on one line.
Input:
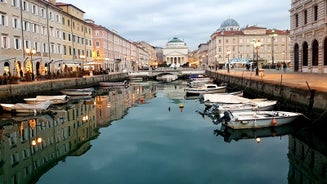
{"points": [[149, 133], [157, 142]]}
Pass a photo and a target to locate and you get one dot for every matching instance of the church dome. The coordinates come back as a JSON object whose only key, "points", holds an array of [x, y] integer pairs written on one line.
{"points": [[174, 40], [229, 25]]}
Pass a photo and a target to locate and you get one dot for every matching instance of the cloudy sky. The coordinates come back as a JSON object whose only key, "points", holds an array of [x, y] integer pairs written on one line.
{"points": [[158, 21]]}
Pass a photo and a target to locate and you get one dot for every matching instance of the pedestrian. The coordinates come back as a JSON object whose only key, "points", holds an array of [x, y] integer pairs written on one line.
{"points": [[284, 66]]}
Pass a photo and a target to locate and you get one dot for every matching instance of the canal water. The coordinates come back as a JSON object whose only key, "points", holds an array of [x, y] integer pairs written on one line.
{"points": [[149, 133]]}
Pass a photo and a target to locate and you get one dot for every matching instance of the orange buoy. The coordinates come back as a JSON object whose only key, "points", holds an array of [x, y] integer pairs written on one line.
{"points": [[273, 122]]}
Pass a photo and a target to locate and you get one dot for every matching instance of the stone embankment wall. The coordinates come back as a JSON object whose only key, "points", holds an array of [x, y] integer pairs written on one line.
{"points": [[301, 98], [16, 92]]}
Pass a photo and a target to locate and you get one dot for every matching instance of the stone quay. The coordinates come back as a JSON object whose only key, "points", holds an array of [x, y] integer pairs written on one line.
{"points": [[305, 92], [16, 92]]}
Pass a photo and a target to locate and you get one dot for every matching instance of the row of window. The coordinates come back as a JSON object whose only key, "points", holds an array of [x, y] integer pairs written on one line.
{"points": [[36, 10], [305, 15], [249, 40]]}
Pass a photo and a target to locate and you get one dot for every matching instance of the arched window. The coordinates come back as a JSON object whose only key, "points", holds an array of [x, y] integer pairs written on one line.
{"points": [[305, 54], [315, 52], [296, 57]]}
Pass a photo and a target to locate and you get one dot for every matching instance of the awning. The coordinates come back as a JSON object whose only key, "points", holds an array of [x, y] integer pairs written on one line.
{"points": [[94, 63]]}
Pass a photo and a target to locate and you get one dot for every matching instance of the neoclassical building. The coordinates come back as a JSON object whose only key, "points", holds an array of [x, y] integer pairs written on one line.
{"points": [[230, 41], [308, 35], [175, 53]]}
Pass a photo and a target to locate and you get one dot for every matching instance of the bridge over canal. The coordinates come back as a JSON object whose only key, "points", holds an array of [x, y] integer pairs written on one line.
{"points": [[162, 71]]}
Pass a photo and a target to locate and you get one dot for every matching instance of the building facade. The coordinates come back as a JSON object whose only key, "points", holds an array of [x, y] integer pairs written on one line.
{"points": [[231, 42], [308, 35], [175, 53], [40, 38]]}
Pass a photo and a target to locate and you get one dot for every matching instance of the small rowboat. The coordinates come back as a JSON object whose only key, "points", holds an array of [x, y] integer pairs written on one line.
{"points": [[206, 89], [113, 84], [78, 92]]}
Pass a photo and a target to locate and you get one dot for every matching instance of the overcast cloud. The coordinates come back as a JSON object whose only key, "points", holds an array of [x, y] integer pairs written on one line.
{"points": [[157, 21]]}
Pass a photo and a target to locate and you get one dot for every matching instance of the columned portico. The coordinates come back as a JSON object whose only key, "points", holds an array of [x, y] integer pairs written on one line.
{"points": [[175, 53]]}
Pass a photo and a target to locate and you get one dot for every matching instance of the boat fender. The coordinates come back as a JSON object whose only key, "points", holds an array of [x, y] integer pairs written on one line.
{"points": [[244, 122], [273, 122]]}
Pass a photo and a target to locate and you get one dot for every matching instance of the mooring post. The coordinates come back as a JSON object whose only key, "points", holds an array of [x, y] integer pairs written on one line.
{"points": [[311, 99]]}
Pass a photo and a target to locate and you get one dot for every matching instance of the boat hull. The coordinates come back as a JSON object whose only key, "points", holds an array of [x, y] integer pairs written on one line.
{"points": [[261, 119], [78, 92], [112, 84]]}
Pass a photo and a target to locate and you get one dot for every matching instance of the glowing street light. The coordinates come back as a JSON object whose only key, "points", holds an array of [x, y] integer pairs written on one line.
{"points": [[257, 45]]}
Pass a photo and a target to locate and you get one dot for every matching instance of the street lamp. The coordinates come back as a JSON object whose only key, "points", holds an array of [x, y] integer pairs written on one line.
{"points": [[272, 35], [257, 45], [30, 52], [228, 53]]}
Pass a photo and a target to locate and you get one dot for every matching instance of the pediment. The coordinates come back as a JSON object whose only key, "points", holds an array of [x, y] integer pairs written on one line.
{"points": [[175, 53]]}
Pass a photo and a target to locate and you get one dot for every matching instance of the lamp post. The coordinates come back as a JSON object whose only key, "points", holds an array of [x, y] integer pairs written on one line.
{"points": [[257, 45], [273, 35], [30, 52], [228, 53]]}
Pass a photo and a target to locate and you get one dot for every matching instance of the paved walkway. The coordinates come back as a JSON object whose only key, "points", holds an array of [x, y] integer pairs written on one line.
{"points": [[316, 81]]}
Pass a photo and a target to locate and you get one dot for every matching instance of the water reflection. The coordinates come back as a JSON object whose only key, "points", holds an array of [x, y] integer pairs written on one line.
{"points": [[230, 134], [32, 145], [308, 156]]}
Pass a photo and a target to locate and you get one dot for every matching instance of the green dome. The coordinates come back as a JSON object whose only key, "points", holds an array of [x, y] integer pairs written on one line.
{"points": [[174, 40]]}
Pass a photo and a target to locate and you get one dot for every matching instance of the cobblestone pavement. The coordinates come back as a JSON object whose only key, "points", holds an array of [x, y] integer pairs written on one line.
{"points": [[316, 81]]}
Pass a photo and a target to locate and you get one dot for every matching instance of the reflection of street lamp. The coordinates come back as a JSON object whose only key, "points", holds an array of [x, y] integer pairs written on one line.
{"points": [[30, 52], [228, 53], [257, 45], [32, 124], [272, 35]]}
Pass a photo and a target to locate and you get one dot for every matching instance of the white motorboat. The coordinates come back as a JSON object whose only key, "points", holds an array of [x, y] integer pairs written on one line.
{"points": [[78, 92], [206, 89], [26, 108], [167, 78], [200, 81], [256, 119], [54, 99]]}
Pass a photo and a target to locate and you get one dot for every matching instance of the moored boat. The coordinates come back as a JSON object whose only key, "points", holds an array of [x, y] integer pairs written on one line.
{"points": [[206, 89], [167, 77], [113, 84], [256, 119], [198, 82], [78, 92]]}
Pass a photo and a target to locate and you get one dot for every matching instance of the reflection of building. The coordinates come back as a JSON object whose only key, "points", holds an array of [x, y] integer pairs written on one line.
{"points": [[308, 158], [115, 104], [175, 53], [232, 41], [23, 159]]}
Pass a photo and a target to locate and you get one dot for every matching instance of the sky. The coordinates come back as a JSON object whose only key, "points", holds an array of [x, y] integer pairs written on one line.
{"points": [[193, 21]]}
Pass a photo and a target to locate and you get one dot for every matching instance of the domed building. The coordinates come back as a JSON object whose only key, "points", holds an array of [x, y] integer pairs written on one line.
{"points": [[230, 44], [175, 53], [229, 25]]}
